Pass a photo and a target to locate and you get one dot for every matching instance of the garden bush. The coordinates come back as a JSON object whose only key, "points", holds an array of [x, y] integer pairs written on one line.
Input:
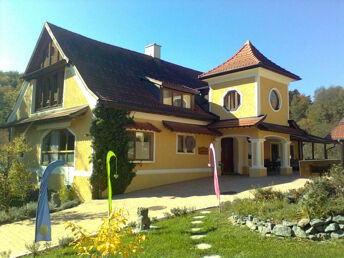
{"points": [[29, 211], [319, 198], [267, 194], [67, 193], [323, 196]]}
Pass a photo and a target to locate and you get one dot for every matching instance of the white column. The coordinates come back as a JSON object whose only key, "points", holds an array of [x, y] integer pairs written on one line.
{"points": [[257, 153], [285, 159], [240, 154]]}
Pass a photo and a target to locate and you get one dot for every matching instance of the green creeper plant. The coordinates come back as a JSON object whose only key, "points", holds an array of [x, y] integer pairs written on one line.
{"points": [[108, 133]]}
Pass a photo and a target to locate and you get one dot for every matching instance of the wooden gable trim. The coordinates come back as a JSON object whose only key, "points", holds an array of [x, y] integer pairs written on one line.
{"points": [[53, 39], [45, 70]]}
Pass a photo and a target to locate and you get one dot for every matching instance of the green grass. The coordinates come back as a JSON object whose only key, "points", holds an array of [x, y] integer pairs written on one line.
{"points": [[227, 240], [276, 210]]}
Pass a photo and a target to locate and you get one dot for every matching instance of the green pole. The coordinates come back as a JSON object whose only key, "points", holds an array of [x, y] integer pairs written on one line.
{"points": [[110, 154]]}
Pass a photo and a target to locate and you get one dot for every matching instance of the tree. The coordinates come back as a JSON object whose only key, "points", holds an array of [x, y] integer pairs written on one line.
{"points": [[327, 110], [15, 181], [298, 105], [9, 91]]}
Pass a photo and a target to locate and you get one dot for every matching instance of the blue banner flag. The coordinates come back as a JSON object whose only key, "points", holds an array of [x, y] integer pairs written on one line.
{"points": [[43, 227]]}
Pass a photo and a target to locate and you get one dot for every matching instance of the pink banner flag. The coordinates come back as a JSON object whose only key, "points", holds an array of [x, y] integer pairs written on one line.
{"points": [[216, 180]]}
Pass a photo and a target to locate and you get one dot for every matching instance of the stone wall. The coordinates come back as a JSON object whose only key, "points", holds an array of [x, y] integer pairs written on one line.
{"points": [[315, 229]]}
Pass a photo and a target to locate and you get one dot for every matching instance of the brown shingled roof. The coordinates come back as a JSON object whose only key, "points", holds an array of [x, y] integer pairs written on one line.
{"points": [[338, 132], [246, 58], [118, 75], [189, 128], [237, 122]]}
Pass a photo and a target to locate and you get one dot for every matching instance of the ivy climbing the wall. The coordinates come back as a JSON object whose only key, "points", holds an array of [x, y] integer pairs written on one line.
{"points": [[108, 133]]}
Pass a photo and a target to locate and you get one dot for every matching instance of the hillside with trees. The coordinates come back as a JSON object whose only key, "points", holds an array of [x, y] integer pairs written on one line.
{"points": [[9, 90], [318, 116]]}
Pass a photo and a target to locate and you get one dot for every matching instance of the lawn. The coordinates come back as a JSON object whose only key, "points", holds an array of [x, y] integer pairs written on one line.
{"points": [[172, 239]]}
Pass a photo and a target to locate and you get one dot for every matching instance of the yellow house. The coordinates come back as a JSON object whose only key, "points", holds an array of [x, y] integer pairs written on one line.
{"points": [[241, 106]]}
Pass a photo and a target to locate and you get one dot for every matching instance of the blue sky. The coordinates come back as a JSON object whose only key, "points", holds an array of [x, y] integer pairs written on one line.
{"points": [[305, 37]]}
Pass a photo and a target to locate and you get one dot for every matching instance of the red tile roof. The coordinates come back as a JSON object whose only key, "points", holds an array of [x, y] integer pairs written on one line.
{"points": [[237, 122], [142, 126], [189, 128], [338, 132], [246, 58]]}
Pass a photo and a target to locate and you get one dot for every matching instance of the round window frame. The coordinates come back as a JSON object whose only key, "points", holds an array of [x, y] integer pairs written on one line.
{"points": [[280, 99]]}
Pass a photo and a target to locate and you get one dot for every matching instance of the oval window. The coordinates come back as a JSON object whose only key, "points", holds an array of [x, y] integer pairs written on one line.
{"points": [[275, 100]]}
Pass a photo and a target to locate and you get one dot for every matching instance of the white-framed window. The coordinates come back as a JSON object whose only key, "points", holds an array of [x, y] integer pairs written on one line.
{"points": [[275, 100], [177, 98], [58, 145], [186, 143], [232, 100], [141, 146]]}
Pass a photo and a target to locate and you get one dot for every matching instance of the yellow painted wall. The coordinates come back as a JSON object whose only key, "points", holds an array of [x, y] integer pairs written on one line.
{"points": [[166, 156], [248, 100], [73, 95], [275, 117], [83, 150]]}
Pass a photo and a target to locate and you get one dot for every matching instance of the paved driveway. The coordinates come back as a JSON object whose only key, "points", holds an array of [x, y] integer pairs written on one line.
{"points": [[198, 194]]}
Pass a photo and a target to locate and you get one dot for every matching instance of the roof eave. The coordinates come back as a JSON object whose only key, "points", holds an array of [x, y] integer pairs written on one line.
{"points": [[289, 74]]}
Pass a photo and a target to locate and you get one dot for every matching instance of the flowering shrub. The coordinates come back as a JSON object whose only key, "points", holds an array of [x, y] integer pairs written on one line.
{"points": [[108, 240]]}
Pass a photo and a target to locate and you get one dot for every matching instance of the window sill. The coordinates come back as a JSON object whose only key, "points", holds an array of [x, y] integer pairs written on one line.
{"points": [[142, 161], [186, 153]]}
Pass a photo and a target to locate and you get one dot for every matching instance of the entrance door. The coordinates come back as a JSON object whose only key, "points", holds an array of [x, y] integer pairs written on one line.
{"points": [[227, 155], [274, 152]]}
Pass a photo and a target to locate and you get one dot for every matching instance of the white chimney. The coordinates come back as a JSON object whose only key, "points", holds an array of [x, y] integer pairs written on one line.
{"points": [[153, 50]]}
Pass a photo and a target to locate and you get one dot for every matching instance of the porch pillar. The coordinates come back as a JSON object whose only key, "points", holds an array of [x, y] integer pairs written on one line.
{"points": [[312, 150], [217, 146], [245, 148], [342, 158], [300, 150], [286, 169], [325, 152], [257, 153]]}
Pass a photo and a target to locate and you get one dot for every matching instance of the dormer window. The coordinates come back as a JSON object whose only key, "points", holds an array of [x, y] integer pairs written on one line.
{"points": [[177, 98], [49, 90], [232, 100]]}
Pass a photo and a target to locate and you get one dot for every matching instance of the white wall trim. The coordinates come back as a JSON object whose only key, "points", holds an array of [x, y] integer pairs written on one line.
{"points": [[232, 76], [173, 171], [274, 76], [156, 117], [13, 116], [210, 98], [33, 97], [68, 172], [90, 96]]}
